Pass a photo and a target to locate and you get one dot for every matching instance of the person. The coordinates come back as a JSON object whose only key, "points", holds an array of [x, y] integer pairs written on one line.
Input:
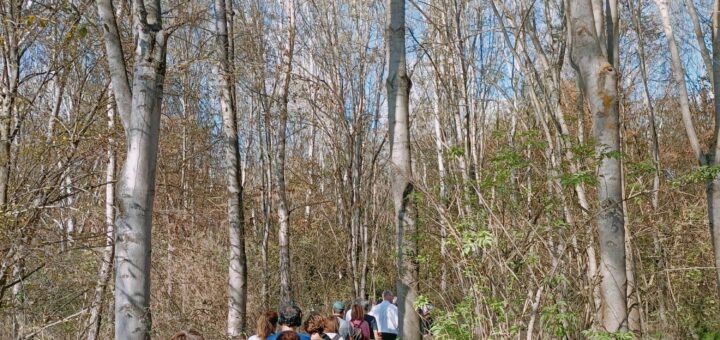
{"points": [[374, 332], [315, 326], [386, 314], [290, 318], [360, 327], [331, 328], [289, 335], [344, 325], [266, 325], [187, 335], [426, 319]]}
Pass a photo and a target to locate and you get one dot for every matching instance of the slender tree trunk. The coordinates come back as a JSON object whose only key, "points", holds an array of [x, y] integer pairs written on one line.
{"points": [[714, 187], [655, 150], [237, 277], [266, 206], [613, 48], [8, 93], [443, 197], [711, 158], [700, 37], [311, 172], [96, 308], [599, 84], [282, 206], [138, 104], [398, 92]]}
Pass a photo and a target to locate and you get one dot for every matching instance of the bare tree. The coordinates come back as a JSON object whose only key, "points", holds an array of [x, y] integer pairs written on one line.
{"points": [[398, 92], [96, 308], [599, 85], [138, 105], [237, 286], [282, 205]]}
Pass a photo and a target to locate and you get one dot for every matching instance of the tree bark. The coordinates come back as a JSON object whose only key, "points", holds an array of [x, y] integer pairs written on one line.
{"points": [[714, 183], [700, 37], [599, 83], [398, 92], [282, 206], [237, 277], [96, 309], [138, 105], [8, 94]]}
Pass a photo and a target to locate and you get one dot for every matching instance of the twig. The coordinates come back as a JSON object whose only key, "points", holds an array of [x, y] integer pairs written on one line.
{"points": [[55, 323]]}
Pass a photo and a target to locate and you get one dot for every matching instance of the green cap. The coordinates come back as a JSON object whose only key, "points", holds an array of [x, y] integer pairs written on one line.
{"points": [[338, 305]]}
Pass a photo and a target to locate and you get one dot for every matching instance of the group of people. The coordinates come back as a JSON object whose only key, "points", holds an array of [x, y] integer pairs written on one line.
{"points": [[359, 322]]}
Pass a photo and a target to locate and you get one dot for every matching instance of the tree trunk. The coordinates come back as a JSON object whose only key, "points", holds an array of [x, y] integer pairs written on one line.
{"points": [[443, 197], [599, 85], [714, 196], [139, 107], [237, 277], [96, 309], [282, 206], [266, 166], [398, 92], [712, 184], [8, 94], [700, 37]]}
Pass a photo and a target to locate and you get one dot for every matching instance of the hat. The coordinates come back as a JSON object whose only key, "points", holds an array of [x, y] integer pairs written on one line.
{"points": [[338, 305]]}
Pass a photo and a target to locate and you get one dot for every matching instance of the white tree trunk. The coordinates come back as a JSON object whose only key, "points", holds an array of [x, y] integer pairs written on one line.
{"points": [[599, 84], [96, 308], [8, 94], [237, 281], [138, 105], [282, 206], [398, 92]]}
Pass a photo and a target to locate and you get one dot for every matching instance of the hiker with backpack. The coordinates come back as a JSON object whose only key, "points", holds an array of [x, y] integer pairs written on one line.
{"points": [[359, 328]]}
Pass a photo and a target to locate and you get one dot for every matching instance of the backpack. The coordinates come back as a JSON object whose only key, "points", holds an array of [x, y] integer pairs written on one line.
{"points": [[356, 332]]}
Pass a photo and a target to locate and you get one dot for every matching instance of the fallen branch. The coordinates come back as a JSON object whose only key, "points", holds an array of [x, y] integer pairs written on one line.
{"points": [[55, 323]]}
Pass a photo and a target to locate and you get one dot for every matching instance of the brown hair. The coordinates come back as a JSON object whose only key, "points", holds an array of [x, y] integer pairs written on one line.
{"points": [[188, 335], [266, 324], [315, 323], [288, 335], [357, 312], [331, 324]]}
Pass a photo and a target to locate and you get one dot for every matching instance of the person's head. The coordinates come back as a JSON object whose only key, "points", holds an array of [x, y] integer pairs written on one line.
{"points": [[388, 296], [315, 323], [266, 324], [188, 335], [358, 313], [290, 315], [338, 307], [288, 335], [426, 309], [331, 324], [365, 305]]}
